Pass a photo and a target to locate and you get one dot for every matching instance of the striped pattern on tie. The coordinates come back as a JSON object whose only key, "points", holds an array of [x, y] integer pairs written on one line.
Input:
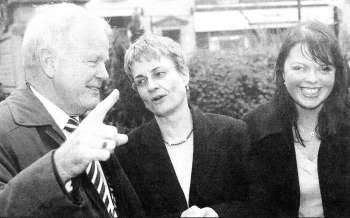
{"points": [[95, 173], [72, 124]]}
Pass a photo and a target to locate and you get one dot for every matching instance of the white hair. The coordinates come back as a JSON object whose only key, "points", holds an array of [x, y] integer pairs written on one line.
{"points": [[50, 28]]}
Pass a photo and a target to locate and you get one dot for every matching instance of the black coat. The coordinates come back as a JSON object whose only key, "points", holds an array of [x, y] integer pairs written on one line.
{"points": [[29, 182], [273, 168], [218, 177]]}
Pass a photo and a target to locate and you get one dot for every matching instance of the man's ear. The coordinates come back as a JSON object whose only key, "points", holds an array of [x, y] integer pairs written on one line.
{"points": [[48, 61]]}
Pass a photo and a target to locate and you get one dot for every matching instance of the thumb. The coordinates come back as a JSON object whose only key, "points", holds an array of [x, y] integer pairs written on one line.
{"points": [[121, 139], [99, 112]]}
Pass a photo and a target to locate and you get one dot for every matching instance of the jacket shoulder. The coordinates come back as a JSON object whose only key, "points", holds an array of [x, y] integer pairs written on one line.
{"points": [[220, 120], [263, 121], [259, 114], [133, 142], [6, 119]]}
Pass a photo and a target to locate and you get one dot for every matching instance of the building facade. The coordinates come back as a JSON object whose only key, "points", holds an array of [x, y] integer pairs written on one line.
{"points": [[171, 18], [225, 24]]}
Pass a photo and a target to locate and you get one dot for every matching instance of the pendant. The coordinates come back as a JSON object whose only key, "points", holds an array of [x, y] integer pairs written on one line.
{"points": [[312, 133]]}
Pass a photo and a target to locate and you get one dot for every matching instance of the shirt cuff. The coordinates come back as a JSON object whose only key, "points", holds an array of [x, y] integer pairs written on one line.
{"points": [[60, 183]]}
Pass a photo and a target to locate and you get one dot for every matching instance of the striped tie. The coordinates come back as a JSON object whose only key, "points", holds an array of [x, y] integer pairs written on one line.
{"points": [[95, 174]]}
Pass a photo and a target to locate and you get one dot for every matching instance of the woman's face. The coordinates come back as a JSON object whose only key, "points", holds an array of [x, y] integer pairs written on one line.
{"points": [[309, 83], [160, 85]]}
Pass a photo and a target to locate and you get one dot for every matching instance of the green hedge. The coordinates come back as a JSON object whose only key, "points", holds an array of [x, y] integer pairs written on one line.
{"points": [[129, 112], [231, 82]]}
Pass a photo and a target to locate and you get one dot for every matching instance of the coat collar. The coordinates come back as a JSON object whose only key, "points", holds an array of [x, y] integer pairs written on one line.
{"points": [[263, 121], [27, 110], [161, 171]]}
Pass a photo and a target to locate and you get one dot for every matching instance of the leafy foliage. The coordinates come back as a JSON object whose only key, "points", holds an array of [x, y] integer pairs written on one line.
{"points": [[129, 112], [231, 82]]}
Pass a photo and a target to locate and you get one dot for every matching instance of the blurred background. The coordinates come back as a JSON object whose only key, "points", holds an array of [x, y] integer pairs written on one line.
{"points": [[231, 46]]}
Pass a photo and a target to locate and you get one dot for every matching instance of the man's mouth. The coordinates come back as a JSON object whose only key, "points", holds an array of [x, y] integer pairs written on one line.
{"points": [[94, 88]]}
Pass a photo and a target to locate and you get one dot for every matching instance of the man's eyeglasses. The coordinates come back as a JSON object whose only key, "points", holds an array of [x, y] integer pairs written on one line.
{"points": [[156, 74]]}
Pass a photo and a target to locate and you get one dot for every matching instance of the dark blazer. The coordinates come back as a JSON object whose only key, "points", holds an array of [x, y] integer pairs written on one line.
{"points": [[275, 190], [218, 177], [29, 182]]}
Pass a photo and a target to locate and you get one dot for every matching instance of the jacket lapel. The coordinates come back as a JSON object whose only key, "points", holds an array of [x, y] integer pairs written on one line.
{"points": [[27, 110], [114, 182], [91, 192], [127, 201], [288, 163], [205, 156], [56, 135], [159, 167]]}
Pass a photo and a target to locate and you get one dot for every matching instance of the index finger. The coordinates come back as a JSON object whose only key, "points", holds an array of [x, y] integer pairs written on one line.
{"points": [[100, 111]]}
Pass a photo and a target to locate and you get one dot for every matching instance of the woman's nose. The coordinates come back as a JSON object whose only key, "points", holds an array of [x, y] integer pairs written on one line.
{"points": [[311, 76]]}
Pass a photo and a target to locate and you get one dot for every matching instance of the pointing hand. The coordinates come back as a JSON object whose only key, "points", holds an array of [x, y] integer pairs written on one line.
{"points": [[92, 140]]}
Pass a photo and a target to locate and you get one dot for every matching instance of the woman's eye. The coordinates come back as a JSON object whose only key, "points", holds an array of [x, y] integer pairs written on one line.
{"points": [[141, 81], [297, 68], [326, 68], [159, 74]]}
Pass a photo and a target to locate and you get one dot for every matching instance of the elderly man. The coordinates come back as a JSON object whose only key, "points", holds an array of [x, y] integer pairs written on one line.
{"points": [[48, 165]]}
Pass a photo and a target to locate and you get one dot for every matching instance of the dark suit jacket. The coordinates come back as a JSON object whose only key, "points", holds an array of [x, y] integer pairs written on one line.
{"points": [[218, 173], [275, 190], [29, 183]]}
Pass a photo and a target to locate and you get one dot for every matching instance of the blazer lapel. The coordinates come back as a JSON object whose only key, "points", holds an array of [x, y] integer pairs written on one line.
{"points": [[205, 156], [91, 192], [286, 169], [127, 201], [55, 134], [159, 167], [27, 110]]}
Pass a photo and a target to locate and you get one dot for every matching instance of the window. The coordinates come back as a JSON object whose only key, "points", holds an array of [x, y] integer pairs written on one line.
{"points": [[173, 34], [119, 22]]}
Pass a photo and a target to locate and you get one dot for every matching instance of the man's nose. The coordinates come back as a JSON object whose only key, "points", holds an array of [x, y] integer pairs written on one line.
{"points": [[102, 72]]}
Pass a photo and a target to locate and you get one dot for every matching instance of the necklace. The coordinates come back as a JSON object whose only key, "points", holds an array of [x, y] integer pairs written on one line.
{"points": [[179, 143], [312, 131]]}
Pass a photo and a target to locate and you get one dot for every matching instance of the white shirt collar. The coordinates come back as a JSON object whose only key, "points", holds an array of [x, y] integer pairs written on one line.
{"points": [[60, 117]]}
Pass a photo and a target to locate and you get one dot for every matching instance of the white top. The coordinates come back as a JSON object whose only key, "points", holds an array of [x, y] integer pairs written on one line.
{"points": [[181, 157], [59, 116], [310, 194]]}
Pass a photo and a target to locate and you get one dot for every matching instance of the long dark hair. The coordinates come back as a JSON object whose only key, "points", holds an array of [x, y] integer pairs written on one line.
{"points": [[322, 47]]}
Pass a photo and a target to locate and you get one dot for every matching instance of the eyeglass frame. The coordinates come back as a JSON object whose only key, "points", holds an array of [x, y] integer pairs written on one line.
{"points": [[135, 87]]}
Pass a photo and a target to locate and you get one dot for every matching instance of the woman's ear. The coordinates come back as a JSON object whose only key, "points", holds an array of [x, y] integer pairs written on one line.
{"points": [[48, 61], [185, 75]]}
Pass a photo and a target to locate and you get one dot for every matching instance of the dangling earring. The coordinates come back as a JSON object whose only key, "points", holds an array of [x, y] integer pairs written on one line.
{"points": [[187, 87]]}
